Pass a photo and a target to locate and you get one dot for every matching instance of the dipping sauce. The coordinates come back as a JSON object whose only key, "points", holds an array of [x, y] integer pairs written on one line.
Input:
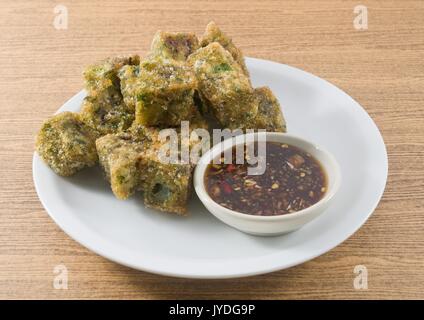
{"points": [[293, 180]]}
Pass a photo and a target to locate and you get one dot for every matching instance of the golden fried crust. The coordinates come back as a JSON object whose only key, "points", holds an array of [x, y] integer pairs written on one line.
{"points": [[161, 90], [223, 84], [131, 162], [102, 79], [118, 156], [167, 187], [214, 34], [269, 115], [176, 46], [129, 83], [105, 117], [66, 144]]}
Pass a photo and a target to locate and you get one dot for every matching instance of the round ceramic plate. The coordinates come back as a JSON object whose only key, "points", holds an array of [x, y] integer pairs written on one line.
{"points": [[200, 246]]}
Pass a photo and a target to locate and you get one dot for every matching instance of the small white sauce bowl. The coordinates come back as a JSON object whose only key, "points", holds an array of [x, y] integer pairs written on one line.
{"points": [[268, 225]]}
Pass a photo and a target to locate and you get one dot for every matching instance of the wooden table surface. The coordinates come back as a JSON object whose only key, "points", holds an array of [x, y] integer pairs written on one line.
{"points": [[381, 67]]}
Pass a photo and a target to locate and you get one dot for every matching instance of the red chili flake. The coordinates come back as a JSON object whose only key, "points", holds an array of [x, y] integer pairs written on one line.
{"points": [[231, 168], [226, 187]]}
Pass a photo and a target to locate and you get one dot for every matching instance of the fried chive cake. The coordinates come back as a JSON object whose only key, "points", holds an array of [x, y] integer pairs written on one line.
{"points": [[66, 144], [105, 117], [161, 91], [101, 79], [176, 46], [269, 117], [224, 86], [214, 34], [132, 161]]}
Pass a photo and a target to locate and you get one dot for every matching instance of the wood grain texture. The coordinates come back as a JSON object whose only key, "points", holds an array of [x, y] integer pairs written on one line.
{"points": [[382, 68]]}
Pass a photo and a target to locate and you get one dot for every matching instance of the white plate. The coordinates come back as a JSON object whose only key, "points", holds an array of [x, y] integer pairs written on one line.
{"points": [[200, 246]]}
